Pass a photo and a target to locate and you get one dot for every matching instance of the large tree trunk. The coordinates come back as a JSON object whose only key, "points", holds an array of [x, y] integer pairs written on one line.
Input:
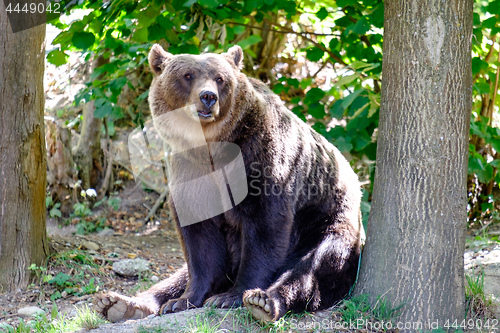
{"points": [[22, 153], [416, 230]]}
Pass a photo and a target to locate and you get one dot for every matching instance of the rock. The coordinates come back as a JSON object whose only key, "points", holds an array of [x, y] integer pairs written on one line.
{"points": [[90, 245], [154, 279], [106, 232], [131, 267], [29, 311]]}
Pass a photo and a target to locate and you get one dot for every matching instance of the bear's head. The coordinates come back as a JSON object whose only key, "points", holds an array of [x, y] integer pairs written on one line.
{"points": [[205, 83]]}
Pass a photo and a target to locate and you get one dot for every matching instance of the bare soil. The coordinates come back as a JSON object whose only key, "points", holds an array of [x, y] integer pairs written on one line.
{"points": [[155, 242]]}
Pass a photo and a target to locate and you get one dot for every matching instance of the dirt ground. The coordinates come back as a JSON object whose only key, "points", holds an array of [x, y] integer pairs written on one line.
{"points": [[155, 243]]}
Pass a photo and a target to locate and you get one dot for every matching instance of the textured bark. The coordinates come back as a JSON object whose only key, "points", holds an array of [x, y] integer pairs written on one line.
{"points": [[60, 165], [88, 154], [22, 153], [416, 230]]}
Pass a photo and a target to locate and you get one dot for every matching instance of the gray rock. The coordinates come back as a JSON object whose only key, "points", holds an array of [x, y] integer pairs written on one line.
{"points": [[29, 311], [131, 267], [106, 232], [90, 245]]}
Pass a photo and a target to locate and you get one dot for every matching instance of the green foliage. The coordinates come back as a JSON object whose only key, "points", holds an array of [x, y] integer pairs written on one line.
{"points": [[53, 207], [478, 304], [79, 281], [484, 147], [358, 307], [323, 58]]}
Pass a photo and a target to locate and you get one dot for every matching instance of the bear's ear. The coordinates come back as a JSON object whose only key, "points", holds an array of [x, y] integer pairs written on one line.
{"points": [[157, 58], [235, 56]]}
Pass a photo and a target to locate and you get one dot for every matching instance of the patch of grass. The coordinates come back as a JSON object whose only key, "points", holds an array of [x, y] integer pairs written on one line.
{"points": [[358, 307], [355, 308], [208, 321], [477, 303], [88, 319], [85, 318]]}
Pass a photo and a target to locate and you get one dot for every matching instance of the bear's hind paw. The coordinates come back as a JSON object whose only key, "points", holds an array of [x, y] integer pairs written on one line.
{"points": [[115, 307], [260, 305]]}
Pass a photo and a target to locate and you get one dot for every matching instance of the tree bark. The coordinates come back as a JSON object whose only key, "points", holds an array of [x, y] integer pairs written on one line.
{"points": [[416, 230], [88, 154], [22, 152]]}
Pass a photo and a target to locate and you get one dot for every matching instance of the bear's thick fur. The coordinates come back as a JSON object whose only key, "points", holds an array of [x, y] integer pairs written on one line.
{"points": [[293, 243]]}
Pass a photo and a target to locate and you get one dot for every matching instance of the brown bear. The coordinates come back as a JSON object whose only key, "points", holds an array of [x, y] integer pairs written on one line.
{"points": [[293, 243]]}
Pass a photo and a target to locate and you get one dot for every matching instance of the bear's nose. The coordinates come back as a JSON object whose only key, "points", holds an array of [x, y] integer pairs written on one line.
{"points": [[208, 98]]}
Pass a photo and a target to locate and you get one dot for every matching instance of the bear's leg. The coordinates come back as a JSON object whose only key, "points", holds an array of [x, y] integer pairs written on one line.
{"points": [[115, 307], [262, 252], [205, 251], [316, 281]]}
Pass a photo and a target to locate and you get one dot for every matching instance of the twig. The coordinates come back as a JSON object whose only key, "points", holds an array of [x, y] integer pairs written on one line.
{"points": [[157, 204], [284, 30]]}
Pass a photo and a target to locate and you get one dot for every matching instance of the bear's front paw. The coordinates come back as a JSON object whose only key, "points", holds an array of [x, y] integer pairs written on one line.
{"points": [[225, 300], [177, 305]]}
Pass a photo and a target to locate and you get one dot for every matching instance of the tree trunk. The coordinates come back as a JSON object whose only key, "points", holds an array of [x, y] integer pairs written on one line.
{"points": [[416, 230], [22, 152], [88, 155]]}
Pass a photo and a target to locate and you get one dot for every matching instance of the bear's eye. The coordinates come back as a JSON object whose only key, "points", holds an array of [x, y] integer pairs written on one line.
{"points": [[188, 76], [219, 80]]}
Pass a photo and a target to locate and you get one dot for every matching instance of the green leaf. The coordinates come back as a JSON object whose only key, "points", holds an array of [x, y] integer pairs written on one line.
{"points": [[317, 110], [495, 164], [247, 42], [140, 35], [346, 101], [165, 22], [345, 80], [495, 144], [482, 87], [57, 57], [485, 175], [478, 65], [314, 53], [305, 83], [314, 95], [337, 110], [361, 27], [142, 96], [102, 108], [83, 40], [189, 3], [322, 13], [155, 32], [116, 85], [55, 212], [342, 144], [60, 279], [211, 4], [361, 140]]}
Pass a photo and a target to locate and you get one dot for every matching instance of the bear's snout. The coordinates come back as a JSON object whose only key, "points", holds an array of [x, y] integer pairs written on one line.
{"points": [[208, 98]]}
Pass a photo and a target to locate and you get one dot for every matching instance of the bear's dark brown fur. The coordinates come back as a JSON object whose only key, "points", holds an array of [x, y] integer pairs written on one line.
{"points": [[293, 243]]}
